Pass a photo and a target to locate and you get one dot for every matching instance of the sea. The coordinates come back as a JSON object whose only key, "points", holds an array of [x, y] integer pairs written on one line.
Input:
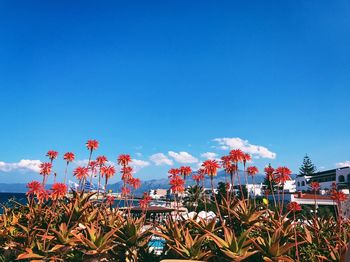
{"points": [[19, 197], [6, 200]]}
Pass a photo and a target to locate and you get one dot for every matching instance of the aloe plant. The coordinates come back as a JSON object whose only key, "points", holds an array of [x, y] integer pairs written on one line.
{"points": [[232, 247]]}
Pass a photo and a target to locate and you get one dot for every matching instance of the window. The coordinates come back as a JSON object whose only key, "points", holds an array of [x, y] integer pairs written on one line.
{"points": [[348, 178], [298, 183], [303, 183], [341, 179]]}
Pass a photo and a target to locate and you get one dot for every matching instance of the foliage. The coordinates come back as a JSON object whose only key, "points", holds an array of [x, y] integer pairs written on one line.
{"points": [[307, 168], [80, 226]]}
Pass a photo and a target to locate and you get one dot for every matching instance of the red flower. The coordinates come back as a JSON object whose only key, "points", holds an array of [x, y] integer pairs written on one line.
{"points": [[282, 174], [237, 155], [125, 191], [210, 167], [269, 171], [315, 185], [144, 202], [52, 154], [59, 190], [101, 160], [338, 196], [110, 200], [226, 161], [294, 207], [198, 177], [107, 171], [231, 169], [69, 157], [34, 188], [43, 195], [177, 184], [92, 166], [252, 170], [185, 171], [126, 173], [92, 145], [81, 172], [246, 157], [45, 169], [124, 160], [173, 172], [134, 182]]}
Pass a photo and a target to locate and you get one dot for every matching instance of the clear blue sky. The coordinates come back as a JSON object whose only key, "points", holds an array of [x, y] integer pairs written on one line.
{"points": [[149, 78]]}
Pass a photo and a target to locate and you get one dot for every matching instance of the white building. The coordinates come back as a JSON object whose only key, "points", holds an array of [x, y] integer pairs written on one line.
{"points": [[339, 176], [158, 193], [255, 189]]}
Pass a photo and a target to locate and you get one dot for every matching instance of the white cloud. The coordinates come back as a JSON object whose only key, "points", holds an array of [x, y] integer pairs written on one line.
{"points": [[84, 162], [160, 159], [139, 164], [22, 165], [343, 164], [256, 151], [183, 157], [209, 155]]}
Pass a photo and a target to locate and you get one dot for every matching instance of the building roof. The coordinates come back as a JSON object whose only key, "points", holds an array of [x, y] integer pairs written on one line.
{"points": [[328, 172], [312, 196]]}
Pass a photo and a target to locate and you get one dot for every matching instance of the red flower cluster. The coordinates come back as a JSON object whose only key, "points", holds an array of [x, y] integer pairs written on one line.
{"points": [[34, 188], [315, 186], [338, 196], [211, 167], [43, 195], [282, 174], [269, 171], [173, 172], [144, 202], [135, 183], [126, 173], [92, 145], [177, 184], [58, 191], [294, 207], [81, 172], [51, 154], [101, 160], [125, 191], [252, 170], [237, 155], [226, 162], [231, 169], [246, 157], [69, 157], [107, 171], [45, 168], [124, 160], [92, 166], [199, 176], [185, 171]]}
